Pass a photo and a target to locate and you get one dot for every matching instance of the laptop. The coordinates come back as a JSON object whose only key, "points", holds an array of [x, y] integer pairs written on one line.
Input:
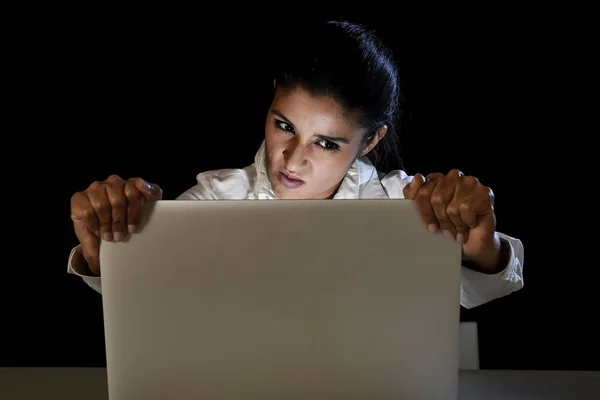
{"points": [[282, 299]]}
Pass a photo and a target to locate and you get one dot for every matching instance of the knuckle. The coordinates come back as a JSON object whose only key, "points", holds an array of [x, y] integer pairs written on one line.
{"points": [[465, 207], [422, 196], [96, 185], [88, 214], [471, 180], [437, 199], [133, 194], [136, 181], [425, 191], [434, 175], [75, 198], [114, 178], [118, 204], [452, 210], [419, 179], [455, 173], [100, 206]]}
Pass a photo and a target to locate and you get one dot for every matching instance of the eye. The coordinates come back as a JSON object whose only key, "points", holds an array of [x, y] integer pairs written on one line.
{"points": [[327, 145], [284, 126]]}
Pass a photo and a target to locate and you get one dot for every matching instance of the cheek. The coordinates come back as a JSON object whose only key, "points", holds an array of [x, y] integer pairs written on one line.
{"points": [[334, 165], [272, 144]]}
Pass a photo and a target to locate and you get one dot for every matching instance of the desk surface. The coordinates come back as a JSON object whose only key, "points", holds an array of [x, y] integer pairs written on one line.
{"points": [[90, 384]]}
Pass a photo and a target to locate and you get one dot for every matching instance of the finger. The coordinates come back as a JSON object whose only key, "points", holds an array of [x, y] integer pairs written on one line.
{"points": [[118, 207], [423, 203], [441, 196], [479, 203], [433, 176], [83, 212], [150, 191], [413, 187], [135, 201], [455, 216], [98, 197], [457, 209]]}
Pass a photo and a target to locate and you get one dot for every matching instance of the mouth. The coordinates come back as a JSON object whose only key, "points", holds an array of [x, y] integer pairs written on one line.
{"points": [[290, 181]]}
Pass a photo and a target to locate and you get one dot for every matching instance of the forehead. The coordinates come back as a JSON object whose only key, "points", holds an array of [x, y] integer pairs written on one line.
{"points": [[306, 110]]}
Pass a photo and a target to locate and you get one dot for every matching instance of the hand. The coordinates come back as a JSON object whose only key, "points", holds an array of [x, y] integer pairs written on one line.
{"points": [[462, 209], [109, 209]]}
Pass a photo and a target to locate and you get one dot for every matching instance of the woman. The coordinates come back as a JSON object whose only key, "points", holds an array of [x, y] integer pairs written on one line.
{"points": [[329, 132]]}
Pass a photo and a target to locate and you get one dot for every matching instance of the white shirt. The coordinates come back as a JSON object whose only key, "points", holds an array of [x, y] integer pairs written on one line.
{"points": [[362, 181]]}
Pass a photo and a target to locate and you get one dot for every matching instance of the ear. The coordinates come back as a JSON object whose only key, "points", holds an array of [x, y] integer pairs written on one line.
{"points": [[372, 142]]}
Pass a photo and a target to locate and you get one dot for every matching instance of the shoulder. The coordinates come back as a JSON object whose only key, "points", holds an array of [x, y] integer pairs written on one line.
{"points": [[222, 184], [394, 182]]}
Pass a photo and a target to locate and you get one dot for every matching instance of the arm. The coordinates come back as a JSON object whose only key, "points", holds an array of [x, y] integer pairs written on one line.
{"points": [[492, 265]]}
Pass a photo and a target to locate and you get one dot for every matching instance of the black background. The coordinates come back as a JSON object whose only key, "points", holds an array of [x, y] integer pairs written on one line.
{"points": [[168, 95]]}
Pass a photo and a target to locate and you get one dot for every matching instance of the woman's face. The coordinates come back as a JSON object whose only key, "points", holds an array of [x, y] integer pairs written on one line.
{"points": [[310, 145]]}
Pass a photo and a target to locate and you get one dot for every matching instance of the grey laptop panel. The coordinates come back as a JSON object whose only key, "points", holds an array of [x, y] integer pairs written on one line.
{"points": [[348, 299]]}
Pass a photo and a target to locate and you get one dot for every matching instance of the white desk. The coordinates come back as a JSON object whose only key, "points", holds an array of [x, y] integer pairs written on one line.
{"points": [[90, 384]]}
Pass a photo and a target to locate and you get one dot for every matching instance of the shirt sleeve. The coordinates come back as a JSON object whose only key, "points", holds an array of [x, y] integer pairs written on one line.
{"points": [[478, 288], [78, 266]]}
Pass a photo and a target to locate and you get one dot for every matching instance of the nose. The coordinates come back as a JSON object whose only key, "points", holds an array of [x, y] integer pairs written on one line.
{"points": [[295, 156]]}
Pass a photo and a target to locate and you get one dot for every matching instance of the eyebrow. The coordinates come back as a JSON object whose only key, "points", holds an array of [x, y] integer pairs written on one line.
{"points": [[335, 139]]}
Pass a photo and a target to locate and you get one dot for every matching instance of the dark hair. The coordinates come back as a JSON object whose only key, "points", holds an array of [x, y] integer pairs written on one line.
{"points": [[350, 64]]}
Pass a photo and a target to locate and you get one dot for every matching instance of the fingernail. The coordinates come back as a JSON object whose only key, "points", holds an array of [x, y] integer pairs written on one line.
{"points": [[460, 238], [107, 237], [131, 228], [433, 228], [118, 236], [97, 233], [148, 186], [448, 234]]}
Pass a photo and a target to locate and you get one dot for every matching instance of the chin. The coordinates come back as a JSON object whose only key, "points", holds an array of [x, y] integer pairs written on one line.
{"points": [[288, 194]]}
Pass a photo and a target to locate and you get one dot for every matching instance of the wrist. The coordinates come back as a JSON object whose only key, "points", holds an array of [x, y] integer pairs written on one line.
{"points": [[79, 264], [490, 261]]}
